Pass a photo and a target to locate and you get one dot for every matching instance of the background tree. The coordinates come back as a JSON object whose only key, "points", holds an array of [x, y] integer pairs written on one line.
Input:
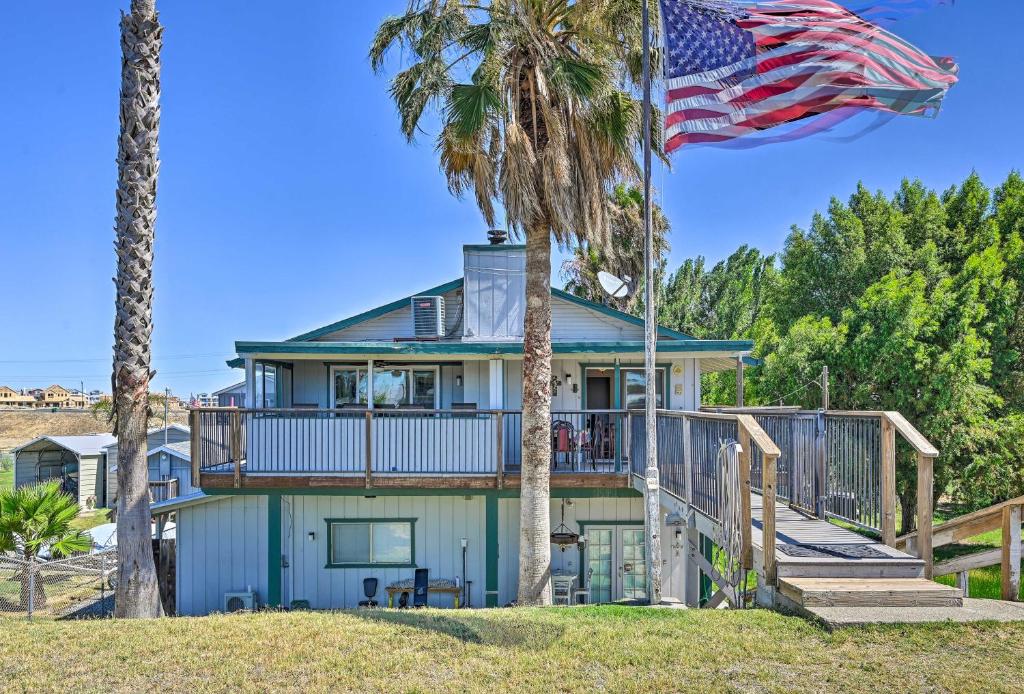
{"points": [[38, 517], [137, 593], [623, 256], [538, 112]]}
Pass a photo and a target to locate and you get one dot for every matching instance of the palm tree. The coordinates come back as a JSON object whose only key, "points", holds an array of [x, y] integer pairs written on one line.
{"points": [[36, 518], [624, 257], [137, 166], [538, 115]]}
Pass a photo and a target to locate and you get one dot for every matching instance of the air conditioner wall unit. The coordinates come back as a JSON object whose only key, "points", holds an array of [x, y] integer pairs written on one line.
{"points": [[242, 601], [428, 316]]}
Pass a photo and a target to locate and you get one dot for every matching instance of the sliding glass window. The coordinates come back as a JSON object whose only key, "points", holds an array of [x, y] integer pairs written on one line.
{"points": [[392, 387], [273, 385]]}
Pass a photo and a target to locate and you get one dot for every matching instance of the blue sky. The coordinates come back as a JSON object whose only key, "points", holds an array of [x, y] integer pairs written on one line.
{"points": [[289, 199]]}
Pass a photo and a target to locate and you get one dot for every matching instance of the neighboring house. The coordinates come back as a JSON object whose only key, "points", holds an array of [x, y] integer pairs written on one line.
{"points": [[232, 396], [59, 397], [156, 438], [77, 461], [296, 505], [97, 396], [10, 398], [206, 400]]}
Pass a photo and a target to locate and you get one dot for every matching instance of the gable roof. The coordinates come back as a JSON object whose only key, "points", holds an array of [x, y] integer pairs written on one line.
{"points": [[181, 449], [87, 444]]}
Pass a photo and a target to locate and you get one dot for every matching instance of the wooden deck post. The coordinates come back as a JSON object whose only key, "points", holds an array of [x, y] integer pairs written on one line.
{"points": [[888, 482], [236, 446], [193, 421], [768, 475], [1011, 554], [739, 382], [924, 512], [499, 445], [369, 447], [745, 492], [820, 468]]}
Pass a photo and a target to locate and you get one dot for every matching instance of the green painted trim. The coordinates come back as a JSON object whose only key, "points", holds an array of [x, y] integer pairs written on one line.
{"points": [[274, 568], [707, 588], [615, 313], [493, 248], [370, 565], [375, 312], [491, 533], [458, 348], [236, 363], [563, 493]]}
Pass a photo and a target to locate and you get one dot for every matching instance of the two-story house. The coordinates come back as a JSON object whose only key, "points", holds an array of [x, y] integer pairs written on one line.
{"points": [[389, 440], [10, 398]]}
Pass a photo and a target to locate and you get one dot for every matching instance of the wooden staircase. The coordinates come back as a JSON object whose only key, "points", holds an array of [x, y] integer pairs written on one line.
{"points": [[868, 592]]}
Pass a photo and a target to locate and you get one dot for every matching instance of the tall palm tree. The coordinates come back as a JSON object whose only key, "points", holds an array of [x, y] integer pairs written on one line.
{"points": [[624, 257], [137, 165], [37, 518], [539, 115]]}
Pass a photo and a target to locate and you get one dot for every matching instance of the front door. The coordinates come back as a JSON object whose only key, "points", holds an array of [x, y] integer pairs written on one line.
{"points": [[616, 556]]}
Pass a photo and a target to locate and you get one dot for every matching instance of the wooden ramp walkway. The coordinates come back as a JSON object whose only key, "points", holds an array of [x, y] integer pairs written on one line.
{"points": [[844, 568]]}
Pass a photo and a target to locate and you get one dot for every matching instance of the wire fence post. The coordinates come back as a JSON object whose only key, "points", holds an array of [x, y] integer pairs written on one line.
{"points": [[31, 585]]}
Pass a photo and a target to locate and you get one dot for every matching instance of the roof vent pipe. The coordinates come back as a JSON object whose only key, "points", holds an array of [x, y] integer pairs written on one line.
{"points": [[497, 236]]}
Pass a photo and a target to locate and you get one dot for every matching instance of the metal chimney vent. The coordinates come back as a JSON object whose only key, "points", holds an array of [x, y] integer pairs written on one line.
{"points": [[428, 316]]}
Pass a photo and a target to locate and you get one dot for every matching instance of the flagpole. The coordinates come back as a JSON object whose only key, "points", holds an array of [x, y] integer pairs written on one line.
{"points": [[652, 499]]}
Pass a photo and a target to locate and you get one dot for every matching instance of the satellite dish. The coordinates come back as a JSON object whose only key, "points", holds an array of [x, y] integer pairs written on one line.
{"points": [[615, 287]]}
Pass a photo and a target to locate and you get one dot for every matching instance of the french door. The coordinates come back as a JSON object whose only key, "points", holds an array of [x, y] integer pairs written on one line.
{"points": [[616, 555]]}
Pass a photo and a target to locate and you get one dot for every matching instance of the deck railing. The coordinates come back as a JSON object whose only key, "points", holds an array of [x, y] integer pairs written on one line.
{"points": [[162, 490], [690, 464], [397, 442], [842, 464]]}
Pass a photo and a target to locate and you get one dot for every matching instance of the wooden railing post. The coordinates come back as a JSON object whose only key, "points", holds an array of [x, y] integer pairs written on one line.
{"points": [[369, 447], [1011, 553], [688, 460], [924, 512], [499, 445], [745, 492], [236, 446], [193, 421], [820, 467], [768, 474], [888, 482]]}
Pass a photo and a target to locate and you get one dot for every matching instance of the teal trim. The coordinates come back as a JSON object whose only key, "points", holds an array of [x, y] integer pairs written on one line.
{"points": [[375, 313], [331, 564], [561, 493], [493, 248], [274, 555], [752, 361], [615, 313], [236, 363], [458, 348], [491, 533], [707, 588]]}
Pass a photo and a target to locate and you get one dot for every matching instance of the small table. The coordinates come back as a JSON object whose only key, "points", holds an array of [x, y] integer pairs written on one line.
{"points": [[435, 585]]}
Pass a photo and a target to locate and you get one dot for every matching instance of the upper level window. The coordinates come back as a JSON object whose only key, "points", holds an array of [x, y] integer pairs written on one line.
{"points": [[391, 387], [273, 383], [370, 542]]}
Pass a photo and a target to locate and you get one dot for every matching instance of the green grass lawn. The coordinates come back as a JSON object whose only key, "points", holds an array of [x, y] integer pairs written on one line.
{"points": [[90, 519], [6, 479], [564, 650]]}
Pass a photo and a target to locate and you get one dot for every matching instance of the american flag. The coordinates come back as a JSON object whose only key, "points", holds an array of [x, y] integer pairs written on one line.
{"points": [[734, 68]]}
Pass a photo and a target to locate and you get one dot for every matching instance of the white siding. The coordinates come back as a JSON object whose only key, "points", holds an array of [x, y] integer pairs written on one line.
{"points": [[495, 285], [440, 523], [571, 322], [397, 323], [221, 547], [587, 509], [311, 383], [90, 481]]}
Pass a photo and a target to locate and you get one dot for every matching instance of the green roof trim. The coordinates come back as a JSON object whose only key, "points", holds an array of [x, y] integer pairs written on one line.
{"points": [[459, 348], [615, 313], [236, 363], [375, 313]]}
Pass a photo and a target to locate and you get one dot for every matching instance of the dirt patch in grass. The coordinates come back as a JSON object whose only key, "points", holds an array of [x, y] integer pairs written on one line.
{"points": [[569, 650]]}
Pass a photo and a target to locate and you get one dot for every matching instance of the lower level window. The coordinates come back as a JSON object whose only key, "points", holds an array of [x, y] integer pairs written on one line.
{"points": [[384, 542]]}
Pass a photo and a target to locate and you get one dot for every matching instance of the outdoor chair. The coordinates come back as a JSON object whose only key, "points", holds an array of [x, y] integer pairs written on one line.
{"points": [[583, 592], [370, 591], [420, 584], [563, 441], [561, 591]]}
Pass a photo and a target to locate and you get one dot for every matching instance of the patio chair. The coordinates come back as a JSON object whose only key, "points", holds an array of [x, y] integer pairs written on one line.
{"points": [[583, 592], [370, 591], [421, 583], [563, 440]]}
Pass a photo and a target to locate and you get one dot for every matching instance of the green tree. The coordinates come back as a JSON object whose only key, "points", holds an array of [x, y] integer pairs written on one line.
{"points": [[538, 115], [36, 518]]}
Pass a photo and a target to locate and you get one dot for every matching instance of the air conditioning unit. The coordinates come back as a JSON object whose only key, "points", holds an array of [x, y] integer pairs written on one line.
{"points": [[428, 316], [244, 601]]}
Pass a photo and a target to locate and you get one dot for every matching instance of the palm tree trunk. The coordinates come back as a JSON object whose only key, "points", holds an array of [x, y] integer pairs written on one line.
{"points": [[137, 593], [535, 495]]}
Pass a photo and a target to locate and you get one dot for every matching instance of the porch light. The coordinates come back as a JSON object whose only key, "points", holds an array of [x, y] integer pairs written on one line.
{"points": [[311, 535], [458, 381]]}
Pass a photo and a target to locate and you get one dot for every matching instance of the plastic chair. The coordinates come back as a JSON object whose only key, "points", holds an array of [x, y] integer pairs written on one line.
{"points": [[584, 590], [370, 591], [420, 585]]}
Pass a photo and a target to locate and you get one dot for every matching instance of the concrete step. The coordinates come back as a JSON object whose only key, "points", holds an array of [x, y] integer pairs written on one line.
{"points": [[869, 592]]}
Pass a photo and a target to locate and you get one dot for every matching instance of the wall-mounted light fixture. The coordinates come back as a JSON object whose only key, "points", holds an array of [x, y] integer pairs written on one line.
{"points": [[458, 381], [311, 535]]}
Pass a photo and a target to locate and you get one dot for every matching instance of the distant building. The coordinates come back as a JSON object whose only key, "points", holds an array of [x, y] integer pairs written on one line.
{"points": [[232, 396], [62, 398], [97, 396], [205, 400], [10, 398]]}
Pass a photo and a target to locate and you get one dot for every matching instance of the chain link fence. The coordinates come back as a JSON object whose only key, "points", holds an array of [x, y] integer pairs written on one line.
{"points": [[73, 588]]}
